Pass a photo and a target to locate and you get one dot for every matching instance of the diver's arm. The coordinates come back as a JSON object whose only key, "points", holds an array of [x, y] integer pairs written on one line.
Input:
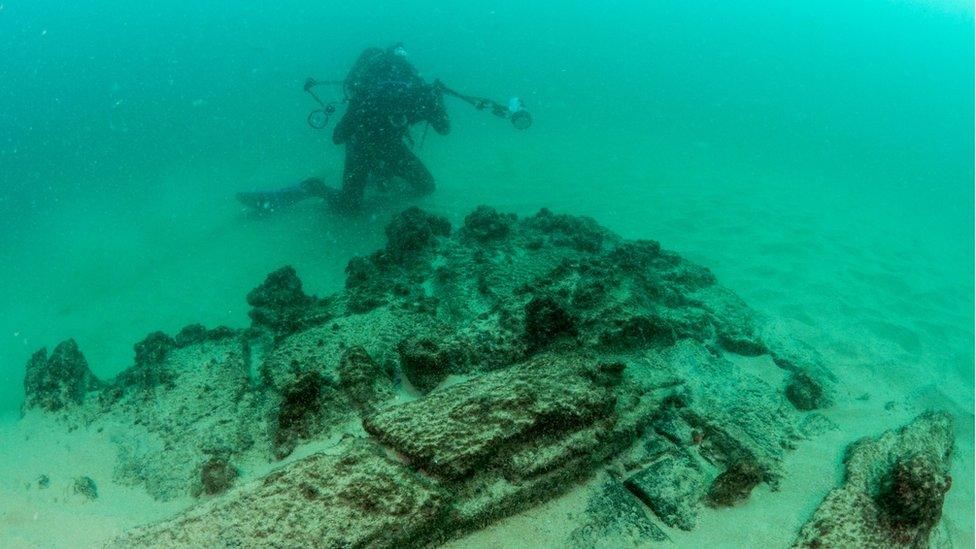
{"points": [[437, 114]]}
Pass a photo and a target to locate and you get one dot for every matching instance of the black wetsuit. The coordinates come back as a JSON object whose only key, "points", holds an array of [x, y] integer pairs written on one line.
{"points": [[386, 97]]}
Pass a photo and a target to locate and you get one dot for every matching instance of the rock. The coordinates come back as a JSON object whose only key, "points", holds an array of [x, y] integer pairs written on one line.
{"points": [[912, 494], [671, 426], [737, 327], [217, 475], [615, 518], [636, 385], [211, 410], [454, 432], [810, 382], [511, 438], [85, 486], [198, 333], [321, 348], [639, 331], [805, 392], [300, 411], [740, 417], [153, 349], [425, 363], [413, 230], [149, 371], [363, 381], [672, 486], [221, 332], [546, 320], [581, 233], [741, 343], [355, 498], [393, 276], [485, 224], [893, 489], [735, 483], [360, 271], [636, 257], [281, 289], [43, 482], [366, 284], [190, 334], [280, 304], [59, 381]]}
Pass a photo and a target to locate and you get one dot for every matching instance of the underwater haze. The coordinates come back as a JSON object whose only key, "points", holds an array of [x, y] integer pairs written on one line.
{"points": [[816, 156]]}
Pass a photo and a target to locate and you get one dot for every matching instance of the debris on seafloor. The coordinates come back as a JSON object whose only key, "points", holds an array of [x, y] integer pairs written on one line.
{"points": [[893, 490], [542, 351], [85, 487]]}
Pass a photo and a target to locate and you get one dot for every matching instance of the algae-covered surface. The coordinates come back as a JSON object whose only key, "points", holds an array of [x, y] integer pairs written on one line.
{"points": [[469, 376], [720, 294]]}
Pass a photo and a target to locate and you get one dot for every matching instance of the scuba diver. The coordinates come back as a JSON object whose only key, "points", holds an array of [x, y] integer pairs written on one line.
{"points": [[385, 96]]}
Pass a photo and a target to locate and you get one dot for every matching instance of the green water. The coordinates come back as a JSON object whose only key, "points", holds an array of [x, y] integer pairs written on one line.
{"points": [[818, 156]]}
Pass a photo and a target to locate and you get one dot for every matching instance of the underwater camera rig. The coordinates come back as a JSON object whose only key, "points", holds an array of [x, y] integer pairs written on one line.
{"points": [[319, 118], [514, 111]]}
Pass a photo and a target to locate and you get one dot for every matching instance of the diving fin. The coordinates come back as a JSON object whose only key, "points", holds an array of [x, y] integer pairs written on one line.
{"points": [[269, 201]]}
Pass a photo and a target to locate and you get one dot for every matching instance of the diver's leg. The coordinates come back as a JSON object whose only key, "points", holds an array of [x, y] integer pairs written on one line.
{"points": [[316, 187], [354, 176], [268, 201], [406, 165]]}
